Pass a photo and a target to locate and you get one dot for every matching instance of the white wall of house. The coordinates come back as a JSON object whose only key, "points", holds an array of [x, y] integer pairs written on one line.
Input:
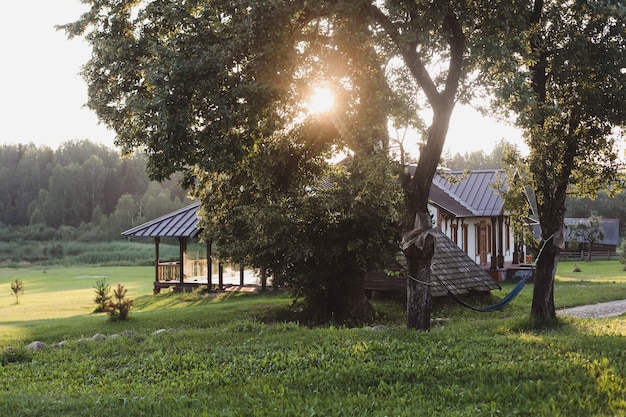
{"points": [[468, 233]]}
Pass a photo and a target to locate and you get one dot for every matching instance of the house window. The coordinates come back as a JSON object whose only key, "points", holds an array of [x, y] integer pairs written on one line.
{"points": [[454, 228], [465, 237]]}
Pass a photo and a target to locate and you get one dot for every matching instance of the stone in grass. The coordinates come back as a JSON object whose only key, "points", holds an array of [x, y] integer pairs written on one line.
{"points": [[125, 333], [161, 331], [97, 337], [439, 321], [61, 344], [36, 345]]}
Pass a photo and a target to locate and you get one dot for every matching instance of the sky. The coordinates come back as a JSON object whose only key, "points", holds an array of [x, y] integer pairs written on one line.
{"points": [[43, 96]]}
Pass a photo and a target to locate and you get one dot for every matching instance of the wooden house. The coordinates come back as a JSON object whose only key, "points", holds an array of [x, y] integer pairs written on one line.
{"points": [[467, 208], [577, 246]]}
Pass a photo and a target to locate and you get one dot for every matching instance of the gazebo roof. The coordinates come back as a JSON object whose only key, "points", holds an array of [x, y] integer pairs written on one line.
{"points": [[179, 223]]}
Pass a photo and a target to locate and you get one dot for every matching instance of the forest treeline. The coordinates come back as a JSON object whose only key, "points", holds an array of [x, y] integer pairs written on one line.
{"points": [[81, 191]]}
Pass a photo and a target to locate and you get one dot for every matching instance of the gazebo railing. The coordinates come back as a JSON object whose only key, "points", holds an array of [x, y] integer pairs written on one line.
{"points": [[168, 271]]}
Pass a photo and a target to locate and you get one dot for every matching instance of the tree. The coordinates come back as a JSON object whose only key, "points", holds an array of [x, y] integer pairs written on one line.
{"points": [[206, 87], [567, 86], [478, 159], [119, 305], [103, 295], [17, 288], [588, 231], [621, 252]]}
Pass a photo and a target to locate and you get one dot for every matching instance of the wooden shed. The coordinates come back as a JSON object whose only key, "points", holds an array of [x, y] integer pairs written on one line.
{"points": [[451, 267]]}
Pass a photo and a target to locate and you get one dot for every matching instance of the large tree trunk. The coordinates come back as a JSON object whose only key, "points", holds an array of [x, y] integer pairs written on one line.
{"points": [[348, 302], [418, 304], [551, 213], [418, 243], [543, 291]]}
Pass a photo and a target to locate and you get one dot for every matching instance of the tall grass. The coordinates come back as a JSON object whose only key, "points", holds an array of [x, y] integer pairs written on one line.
{"points": [[28, 253]]}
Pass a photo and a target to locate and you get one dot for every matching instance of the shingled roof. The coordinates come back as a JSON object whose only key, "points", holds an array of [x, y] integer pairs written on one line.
{"points": [[451, 269], [455, 271], [179, 223]]}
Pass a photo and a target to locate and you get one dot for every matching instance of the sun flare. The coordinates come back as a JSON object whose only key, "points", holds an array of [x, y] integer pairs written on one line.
{"points": [[321, 100]]}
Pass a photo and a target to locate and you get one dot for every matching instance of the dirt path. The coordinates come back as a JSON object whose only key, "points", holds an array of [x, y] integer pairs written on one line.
{"points": [[596, 311]]}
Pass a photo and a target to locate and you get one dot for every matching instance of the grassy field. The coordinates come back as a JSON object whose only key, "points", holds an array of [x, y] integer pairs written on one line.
{"points": [[237, 355]]}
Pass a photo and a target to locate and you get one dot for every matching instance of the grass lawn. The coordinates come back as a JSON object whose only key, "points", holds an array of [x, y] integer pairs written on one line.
{"points": [[233, 355]]}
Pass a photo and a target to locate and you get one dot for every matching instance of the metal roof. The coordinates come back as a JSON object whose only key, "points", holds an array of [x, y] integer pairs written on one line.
{"points": [[609, 227], [179, 223], [468, 194]]}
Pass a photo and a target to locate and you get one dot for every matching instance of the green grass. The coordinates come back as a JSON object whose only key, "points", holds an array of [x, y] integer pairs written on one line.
{"points": [[234, 356], [598, 281]]}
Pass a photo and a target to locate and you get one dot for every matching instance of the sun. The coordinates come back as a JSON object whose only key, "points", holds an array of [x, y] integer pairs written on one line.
{"points": [[321, 101]]}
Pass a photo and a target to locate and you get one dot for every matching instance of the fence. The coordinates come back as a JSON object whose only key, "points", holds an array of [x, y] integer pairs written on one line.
{"points": [[584, 255]]}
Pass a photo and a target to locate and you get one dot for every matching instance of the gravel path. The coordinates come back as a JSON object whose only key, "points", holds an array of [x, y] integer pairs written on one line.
{"points": [[596, 311]]}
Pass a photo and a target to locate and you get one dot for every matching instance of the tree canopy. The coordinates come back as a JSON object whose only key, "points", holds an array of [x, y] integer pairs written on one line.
{"points": [[566, 85], [218, 91]]}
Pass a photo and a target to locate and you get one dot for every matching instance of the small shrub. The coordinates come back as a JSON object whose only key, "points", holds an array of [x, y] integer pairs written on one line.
{"points": [[576, 268], [103, 295], [17, 288], [119, 306]]}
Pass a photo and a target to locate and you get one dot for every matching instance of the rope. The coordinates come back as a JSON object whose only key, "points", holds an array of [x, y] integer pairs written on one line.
{"points": [[418, 281]]}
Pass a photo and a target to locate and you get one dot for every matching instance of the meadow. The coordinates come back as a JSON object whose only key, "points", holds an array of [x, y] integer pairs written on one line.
{"points": [[245, 354]]}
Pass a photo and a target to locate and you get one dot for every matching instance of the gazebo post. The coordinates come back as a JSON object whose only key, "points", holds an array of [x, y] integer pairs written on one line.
{"points": [[157, 240], [241, 273], [220, 275], [209, 264], [182, 246]]}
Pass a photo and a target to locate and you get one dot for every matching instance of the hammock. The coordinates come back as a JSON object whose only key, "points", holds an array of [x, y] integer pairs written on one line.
{"points": [[497, 306]]}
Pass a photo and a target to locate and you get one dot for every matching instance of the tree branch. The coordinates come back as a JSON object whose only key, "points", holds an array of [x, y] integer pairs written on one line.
{"points": [[411, 58]]}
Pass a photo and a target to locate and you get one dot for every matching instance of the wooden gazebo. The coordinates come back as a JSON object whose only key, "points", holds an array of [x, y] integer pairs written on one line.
{"points": [[185, 273]]}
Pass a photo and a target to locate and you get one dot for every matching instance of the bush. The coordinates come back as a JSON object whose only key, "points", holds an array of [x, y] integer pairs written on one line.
{"points": [[118, 308]]}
